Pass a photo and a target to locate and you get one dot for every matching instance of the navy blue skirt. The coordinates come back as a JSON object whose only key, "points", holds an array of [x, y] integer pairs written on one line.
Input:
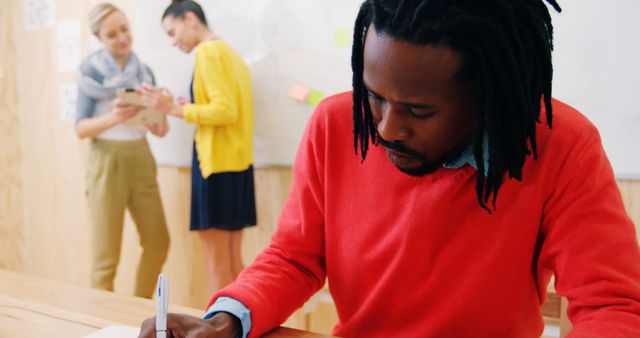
{"points": [[223, 200]]}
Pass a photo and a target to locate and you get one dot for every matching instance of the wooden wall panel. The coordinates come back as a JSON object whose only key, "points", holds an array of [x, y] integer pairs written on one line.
{"points": [[11, 218], [55, 222], [631, 196]]}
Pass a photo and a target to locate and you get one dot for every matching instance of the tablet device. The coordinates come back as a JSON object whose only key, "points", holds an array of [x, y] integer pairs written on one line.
{"points": [[146, 114], [130, 96]]}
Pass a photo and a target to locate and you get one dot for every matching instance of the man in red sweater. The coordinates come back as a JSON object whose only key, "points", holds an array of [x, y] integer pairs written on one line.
{"points": [[453, 222]]}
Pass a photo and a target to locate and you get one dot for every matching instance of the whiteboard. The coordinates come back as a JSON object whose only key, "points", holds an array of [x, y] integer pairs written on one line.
{"points": [[284, 42], [596, 57], [597, 71]]}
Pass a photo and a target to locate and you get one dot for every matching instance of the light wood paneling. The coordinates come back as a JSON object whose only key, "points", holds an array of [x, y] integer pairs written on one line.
{"points": [[631, 196], [322, 315], [272, 188], [55, 221], [11, 218]]}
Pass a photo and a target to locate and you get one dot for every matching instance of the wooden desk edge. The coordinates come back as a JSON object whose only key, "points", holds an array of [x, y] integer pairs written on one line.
{"points": [[55, 294]]}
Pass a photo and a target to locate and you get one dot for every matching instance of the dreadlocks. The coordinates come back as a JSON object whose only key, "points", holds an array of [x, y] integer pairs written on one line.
{"points": [[506, 49]]}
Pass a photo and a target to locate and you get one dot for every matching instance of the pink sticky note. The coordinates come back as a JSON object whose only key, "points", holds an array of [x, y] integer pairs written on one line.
{"points": [[299, 92]]}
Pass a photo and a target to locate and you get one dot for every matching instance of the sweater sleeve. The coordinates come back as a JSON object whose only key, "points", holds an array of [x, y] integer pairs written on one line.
{"points": [[85, 104], [216, 73], [292, 268], [589, 243]]}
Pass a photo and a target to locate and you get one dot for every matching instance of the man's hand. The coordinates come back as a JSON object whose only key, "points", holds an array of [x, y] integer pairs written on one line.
{"points": [[222, 325]]}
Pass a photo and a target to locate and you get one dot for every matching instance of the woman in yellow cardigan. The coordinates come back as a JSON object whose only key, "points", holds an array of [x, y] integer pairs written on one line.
{"points": [[223, 199]]}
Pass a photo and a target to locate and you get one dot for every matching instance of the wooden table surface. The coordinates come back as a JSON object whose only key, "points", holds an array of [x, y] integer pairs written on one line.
{"points": [[37, 307]]}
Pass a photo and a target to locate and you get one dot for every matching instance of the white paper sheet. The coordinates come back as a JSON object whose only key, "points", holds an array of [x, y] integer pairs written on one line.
{"points": [[115, 331], [67, 100], [69, 45], [38, 14]]}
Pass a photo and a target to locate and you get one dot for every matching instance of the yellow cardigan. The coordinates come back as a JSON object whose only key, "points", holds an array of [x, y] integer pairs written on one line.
{"points": [[223, 109]]}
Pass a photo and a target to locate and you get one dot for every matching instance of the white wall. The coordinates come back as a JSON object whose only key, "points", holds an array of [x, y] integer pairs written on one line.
{"points": [[282, 41], [287, 41], [597, 71]]}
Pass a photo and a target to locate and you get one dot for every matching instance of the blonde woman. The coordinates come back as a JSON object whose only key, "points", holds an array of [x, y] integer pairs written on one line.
{"points": [[121, 170], [221, 107]]}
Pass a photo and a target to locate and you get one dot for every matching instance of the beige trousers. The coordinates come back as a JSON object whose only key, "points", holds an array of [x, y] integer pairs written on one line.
{"points": [[122, 175]]}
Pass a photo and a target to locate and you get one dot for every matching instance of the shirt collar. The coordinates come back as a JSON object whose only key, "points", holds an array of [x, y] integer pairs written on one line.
{"points": [[466, 157]]}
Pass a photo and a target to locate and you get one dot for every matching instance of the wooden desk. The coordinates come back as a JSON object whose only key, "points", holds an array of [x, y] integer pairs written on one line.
{"points": [[36, 307]]}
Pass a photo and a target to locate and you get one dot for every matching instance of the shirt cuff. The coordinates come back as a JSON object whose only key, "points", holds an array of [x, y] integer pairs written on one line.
{"points": [[235, 308]]}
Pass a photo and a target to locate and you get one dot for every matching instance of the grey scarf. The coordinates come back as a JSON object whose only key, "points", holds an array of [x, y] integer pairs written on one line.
{"points": [[133, 75]]}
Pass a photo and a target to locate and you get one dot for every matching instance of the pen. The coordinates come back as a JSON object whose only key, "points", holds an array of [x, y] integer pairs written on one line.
{"points": [[162, 305]]}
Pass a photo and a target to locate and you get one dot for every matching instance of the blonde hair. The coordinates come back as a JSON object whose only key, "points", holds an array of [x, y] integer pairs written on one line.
{"points": [[97, 15]]}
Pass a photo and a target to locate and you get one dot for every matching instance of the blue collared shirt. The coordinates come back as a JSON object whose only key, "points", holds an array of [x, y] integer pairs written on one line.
{"points": [[466, 157], [235, 308]]}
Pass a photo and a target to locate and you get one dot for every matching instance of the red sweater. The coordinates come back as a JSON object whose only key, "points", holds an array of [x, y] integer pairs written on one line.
{"points": [[418, 257]]}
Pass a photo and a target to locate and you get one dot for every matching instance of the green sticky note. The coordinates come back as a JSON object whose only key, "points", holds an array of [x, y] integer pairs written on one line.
{"points": [[342, 37], [314, 97]]}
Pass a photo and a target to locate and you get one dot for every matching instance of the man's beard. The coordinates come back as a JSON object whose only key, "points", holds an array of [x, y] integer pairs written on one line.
{"points": [[427, 167]]}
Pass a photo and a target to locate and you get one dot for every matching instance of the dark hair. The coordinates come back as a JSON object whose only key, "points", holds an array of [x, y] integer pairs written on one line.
{"points": [[179, 8], [505, 46]]}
